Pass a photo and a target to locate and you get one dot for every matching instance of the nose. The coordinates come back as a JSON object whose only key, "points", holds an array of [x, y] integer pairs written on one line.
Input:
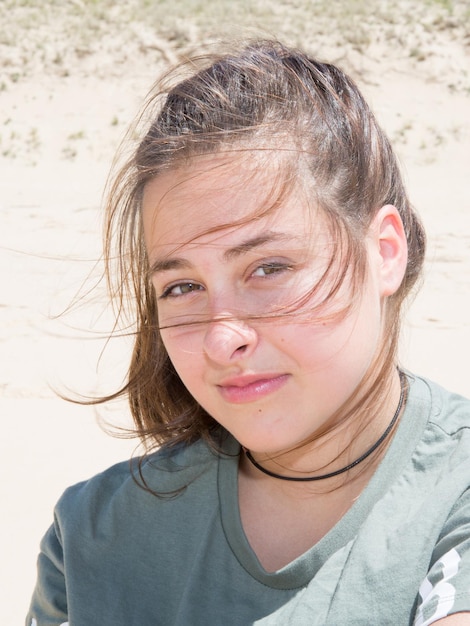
{"points": [[228, 340]]}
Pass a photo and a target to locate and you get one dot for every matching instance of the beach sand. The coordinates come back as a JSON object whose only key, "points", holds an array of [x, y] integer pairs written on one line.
{"points": [[66, 100]]}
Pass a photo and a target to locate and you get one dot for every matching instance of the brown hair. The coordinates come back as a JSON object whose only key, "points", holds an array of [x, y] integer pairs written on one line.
{"points": [[248, 98]]}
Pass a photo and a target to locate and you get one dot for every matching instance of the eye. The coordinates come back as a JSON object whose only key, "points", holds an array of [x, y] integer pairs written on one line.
{"points": [[268, 269], [180, 289]]}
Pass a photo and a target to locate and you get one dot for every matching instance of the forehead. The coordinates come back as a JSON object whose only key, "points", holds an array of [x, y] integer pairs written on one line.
{"points": [[218, 193]]}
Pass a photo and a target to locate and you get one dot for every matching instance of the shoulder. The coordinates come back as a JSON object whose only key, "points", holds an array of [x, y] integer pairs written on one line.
{"points": [[436, 478], [448, 411], [427, 463], [134, 485]]}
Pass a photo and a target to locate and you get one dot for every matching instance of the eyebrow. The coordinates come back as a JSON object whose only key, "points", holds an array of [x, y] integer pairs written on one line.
{"points": [[250, 244], [164, 265], [174, 263]]}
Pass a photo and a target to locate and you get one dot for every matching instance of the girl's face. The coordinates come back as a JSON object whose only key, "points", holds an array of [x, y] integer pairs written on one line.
{"points": [[271, 382]]}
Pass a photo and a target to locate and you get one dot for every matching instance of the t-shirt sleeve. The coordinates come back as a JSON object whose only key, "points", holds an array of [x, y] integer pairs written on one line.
{"points": [[49, 601], [446, 588]]}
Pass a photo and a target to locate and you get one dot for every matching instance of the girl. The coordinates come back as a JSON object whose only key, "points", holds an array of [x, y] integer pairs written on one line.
{"points": [[266, 241]]}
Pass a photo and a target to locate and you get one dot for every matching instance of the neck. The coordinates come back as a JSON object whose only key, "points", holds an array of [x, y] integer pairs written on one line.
{"points": [[344, 454]]}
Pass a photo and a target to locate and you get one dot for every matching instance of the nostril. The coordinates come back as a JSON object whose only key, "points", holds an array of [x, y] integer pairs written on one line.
{"points": [[242, 348]]}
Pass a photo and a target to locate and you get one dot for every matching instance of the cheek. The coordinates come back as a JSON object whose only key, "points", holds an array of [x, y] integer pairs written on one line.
{"points": [[184, 347], [358, 339], [343, 348]]}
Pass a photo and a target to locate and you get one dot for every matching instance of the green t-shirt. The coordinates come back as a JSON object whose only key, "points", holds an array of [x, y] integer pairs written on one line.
{"points": [[118, 555]]}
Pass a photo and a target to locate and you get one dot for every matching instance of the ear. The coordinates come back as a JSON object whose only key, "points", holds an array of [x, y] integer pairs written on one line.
{"points": [[389, 242]]}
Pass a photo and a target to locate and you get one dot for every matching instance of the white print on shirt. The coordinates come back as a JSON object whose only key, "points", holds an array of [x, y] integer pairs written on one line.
{"points": [[444, 591], [34, 623]]}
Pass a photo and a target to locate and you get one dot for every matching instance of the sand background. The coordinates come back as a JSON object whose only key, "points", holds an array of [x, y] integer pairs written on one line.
{"points": [[72, 76]]}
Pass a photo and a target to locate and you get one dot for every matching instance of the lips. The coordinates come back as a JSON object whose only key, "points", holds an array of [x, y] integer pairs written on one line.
{"points": [[251, 388]]}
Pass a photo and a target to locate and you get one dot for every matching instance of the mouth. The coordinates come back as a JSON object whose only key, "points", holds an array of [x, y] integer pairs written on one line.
{"points": [[251, 388]]}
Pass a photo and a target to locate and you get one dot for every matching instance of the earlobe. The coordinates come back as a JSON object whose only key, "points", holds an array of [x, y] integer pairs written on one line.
{"points": [[390, 239]]}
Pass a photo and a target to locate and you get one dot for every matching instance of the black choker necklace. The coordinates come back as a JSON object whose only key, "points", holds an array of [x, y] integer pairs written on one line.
{"points": [[379, 441]]}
